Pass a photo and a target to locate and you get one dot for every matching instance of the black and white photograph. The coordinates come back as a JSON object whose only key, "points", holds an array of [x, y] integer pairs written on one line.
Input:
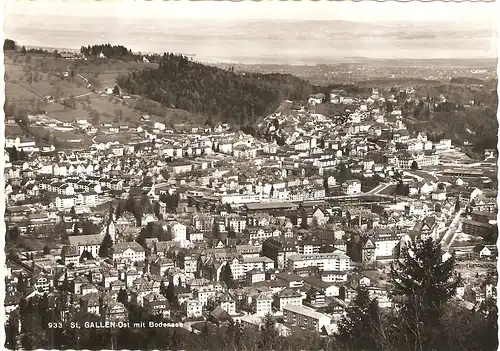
{"points": [[250, 175]]}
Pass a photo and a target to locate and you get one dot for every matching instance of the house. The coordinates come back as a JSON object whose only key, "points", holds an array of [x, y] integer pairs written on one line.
{"points": [[193, 308], [156, 304], [328, 289], [114, 311], [224, 301], [482, 251], [315, 298], [316, 99], [91, 303], [255, 276], [161, 266], [177, 231], [128, 251], [287, 297], [262, 304], [41, 282], [351, 187], [70, 255]]}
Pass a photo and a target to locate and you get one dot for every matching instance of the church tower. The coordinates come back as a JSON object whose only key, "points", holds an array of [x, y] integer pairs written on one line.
{"points": [[110, 227]]}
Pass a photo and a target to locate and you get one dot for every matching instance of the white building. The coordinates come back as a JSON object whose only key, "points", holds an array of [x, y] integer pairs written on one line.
{"points": [[332, 261], [305, 317], [128, 251], [351, 187]]}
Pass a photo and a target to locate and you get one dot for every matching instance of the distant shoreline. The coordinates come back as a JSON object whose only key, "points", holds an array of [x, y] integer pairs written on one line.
{"points": [[306, 62]]}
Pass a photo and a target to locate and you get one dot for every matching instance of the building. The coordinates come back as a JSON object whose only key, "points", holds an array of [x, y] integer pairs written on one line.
{"points": [[194, 308], [476, 228], [305, 317], [351, 187], [90, 243], [482, 251], [279, 249], [70, 255], [128, 251], [334, 261], [177, 231], [287, 297], [262, 304]]}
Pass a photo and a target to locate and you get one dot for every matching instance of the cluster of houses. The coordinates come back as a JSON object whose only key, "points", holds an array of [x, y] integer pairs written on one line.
{"points": [[297, 236]]}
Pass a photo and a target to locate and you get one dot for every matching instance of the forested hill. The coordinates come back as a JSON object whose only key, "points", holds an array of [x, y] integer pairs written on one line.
{"points": [[217, 93]]}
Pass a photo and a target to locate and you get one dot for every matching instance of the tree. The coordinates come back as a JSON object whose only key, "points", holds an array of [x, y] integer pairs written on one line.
{"points": [[163, 289], [226, 275], [357, 328], [118, 114], [269, 335], [199, 267], [106, 245], [170, 293], [46, 250], [9, 44], [23, 51], [122, 296], [96, 117], [421, 285], [21, 283], [457, 204], [303, 222], [414, 165]]}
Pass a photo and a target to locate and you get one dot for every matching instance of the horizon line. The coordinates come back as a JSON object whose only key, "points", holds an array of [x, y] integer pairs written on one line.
{"points": [[208, 61]]}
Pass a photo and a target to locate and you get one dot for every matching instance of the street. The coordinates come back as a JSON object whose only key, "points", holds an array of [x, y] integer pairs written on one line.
{"points": [[447, 238]]}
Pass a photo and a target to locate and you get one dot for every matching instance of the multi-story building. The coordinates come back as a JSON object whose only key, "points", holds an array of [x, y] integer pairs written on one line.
{"points": [[262, 304], [476, 228], [334, 261], [287, 297], [279, 249], [194, 308], [128, 251], [305, 317], [351, 187]]}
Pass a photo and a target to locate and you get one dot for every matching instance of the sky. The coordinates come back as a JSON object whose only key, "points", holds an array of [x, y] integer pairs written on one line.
{"points": [[365, 11], [262, 31]]}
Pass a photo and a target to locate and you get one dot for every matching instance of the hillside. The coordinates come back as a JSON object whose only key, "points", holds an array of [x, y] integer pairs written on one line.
{"points": [[219, 94], [466, 80]]}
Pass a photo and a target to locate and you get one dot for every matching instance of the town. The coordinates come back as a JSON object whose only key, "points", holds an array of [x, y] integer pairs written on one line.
{"points": [[204, 225]]}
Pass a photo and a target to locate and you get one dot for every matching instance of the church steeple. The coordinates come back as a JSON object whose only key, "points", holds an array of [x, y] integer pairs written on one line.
{"points": [[110, 223]]}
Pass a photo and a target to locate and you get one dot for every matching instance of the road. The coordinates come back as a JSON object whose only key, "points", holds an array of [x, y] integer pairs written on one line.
{"points": [[379, 188], [424, 175], [75, 97], [449, 235]]}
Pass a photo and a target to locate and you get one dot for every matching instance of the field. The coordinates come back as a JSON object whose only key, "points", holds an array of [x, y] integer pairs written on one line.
{"points": [[13, 130], [106, 71], [19, 92], [26, 81], [474, 269], [123, 137], [31, 78], [62, 139]]}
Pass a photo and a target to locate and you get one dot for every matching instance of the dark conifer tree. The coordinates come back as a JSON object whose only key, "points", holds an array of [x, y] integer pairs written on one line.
{"points": [[269, 335], [357, 329], [122, 296], [226, 275], [106, 245], [421, 285]]}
